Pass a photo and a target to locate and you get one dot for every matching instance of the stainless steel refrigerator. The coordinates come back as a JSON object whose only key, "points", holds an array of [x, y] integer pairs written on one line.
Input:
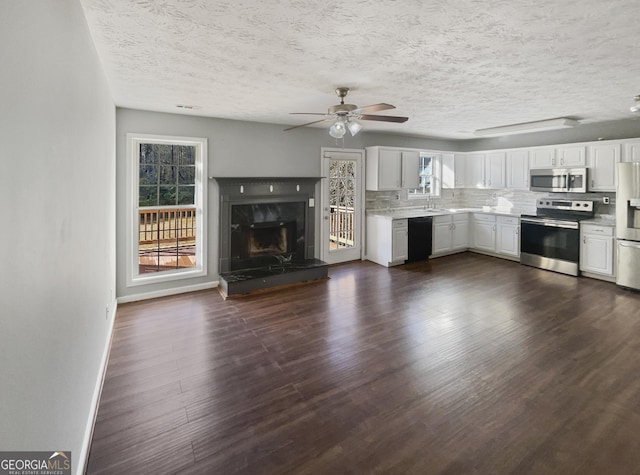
{"points": [[628, 225]]}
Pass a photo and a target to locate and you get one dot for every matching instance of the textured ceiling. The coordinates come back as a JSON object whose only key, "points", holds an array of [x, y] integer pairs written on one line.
{"points": [[451, 66]]}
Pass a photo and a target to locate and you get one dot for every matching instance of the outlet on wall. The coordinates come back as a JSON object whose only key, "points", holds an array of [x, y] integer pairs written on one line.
{"points": [[605, 200]]}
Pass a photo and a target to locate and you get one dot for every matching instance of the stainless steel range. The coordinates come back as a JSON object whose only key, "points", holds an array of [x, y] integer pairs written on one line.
{"points": [[551, 239]]}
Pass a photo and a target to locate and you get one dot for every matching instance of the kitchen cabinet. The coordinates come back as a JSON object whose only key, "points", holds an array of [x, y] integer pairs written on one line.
{"points": [[517, 169], [460, 162], [494, 170], [597, 251], [602, 166], [571, 156], [542, 157], [474, 170], [485, 170], [631, 151], [391, 169], [450, 233], [399, 241], [453, 170], [387, 240], [484, 232], [508, 236], [448, 170]]}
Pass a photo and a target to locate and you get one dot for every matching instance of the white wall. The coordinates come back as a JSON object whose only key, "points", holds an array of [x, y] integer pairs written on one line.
{"points": [[57, 187], [236, 149]]}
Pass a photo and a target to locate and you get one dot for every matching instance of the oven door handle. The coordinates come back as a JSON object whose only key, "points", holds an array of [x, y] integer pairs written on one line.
{"points": [[634, 245], [551, 223]]}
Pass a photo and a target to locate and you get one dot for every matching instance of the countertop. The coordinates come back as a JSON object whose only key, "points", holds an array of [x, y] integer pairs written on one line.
{"points": [[602, 220], [403, 213]]}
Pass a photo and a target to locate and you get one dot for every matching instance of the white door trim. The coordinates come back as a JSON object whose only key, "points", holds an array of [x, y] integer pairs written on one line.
{"points": [[359, 156]]}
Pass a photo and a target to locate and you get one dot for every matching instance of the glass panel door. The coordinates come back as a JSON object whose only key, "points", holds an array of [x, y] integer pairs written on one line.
{"points": [[342, 203]]}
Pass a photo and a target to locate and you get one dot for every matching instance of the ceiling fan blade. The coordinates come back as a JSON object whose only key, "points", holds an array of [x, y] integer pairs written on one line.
{"points": [[304, 125], [384, 118], [373, 108]]}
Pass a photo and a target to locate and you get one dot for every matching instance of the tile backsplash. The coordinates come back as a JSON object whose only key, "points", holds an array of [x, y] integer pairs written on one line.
{"points": [[517, 201]]}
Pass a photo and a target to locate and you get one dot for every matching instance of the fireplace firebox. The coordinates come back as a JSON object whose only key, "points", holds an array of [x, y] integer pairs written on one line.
{"points": [[267, 233]]}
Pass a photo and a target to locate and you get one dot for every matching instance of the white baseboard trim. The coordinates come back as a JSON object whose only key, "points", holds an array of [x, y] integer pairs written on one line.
{"points": [[83, 459], [167, 292]]}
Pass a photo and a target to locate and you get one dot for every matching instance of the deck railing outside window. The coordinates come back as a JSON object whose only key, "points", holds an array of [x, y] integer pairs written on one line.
{"points": [[166, 239]]}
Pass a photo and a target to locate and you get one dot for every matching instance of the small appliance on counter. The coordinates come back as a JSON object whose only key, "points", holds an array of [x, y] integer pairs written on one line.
{"points": [[628, 225], [551, 239]]}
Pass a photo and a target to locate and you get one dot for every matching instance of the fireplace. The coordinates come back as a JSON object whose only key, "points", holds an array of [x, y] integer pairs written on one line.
{"points": [[267, 233]]}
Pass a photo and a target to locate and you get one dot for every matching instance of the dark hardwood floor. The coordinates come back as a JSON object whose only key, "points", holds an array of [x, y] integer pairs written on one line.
{"points": [[461, 365]]}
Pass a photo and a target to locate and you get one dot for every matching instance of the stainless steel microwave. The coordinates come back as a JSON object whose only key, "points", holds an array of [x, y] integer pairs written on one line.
{"points": [[559, 180]]}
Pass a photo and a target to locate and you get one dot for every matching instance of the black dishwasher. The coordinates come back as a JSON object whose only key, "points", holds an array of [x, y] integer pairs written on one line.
{"points": [[420, 230]]}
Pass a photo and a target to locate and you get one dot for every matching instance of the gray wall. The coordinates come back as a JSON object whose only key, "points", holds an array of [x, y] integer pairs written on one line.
{"points": [[57, 130], [236, 149]]}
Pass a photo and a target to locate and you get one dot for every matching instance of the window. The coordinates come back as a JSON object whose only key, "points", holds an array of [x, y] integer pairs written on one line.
{"points": [[166, 194], [428, 176]]}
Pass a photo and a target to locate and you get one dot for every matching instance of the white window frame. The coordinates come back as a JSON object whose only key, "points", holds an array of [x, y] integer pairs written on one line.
{"points": [[133, 178], [436, 174]]}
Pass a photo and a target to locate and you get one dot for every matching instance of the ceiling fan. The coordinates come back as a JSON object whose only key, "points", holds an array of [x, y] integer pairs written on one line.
{"points": [[345, 116]]}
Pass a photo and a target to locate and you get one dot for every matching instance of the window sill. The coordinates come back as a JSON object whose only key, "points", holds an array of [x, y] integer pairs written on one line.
{"points": [[166, 276]]}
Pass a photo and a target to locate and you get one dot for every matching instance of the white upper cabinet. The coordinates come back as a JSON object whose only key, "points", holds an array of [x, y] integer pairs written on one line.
{"points": [[542, 157], [410, 169], [392, 169], [571, 156], [518, 169], [631, 152], [494, 170], [460, 168], [448, 171], [602, 166], [383, 169], [474, 170]]}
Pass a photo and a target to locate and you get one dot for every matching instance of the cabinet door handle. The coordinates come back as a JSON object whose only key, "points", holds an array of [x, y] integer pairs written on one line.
{"points": [[517, 231], [592, 183]]}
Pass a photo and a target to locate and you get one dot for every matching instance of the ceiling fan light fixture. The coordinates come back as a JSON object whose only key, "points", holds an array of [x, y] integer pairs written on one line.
{"points": [[354, 127], [338, 129]]}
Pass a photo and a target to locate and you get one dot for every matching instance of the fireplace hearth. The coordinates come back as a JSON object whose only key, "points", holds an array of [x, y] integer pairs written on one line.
{"points": [[267, 233]]}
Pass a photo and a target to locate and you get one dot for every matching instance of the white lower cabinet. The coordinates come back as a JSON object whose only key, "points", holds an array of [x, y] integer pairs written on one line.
{"points": [[450, 233], [484, 232], [387, 240], [508, 236], [496, 235], [597, 251], [400, 241]]}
